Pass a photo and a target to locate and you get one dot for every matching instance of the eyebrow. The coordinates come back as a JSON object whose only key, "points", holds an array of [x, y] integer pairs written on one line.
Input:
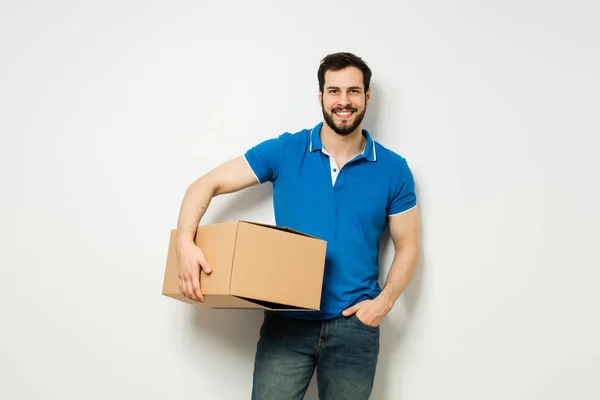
{"points": [[350, 88]]}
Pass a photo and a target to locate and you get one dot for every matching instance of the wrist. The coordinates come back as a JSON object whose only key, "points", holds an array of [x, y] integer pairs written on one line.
{"points": [[386, 300], [185, 242]]}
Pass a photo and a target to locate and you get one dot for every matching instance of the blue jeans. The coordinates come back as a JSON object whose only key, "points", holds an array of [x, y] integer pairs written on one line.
{"points": [[344, 351]]}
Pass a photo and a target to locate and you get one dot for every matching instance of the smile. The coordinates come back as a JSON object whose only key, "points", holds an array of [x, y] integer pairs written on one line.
{"points": [[344, 114]]}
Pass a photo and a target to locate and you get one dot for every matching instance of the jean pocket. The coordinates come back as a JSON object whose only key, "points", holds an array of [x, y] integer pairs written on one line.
{"points": [[362, 324]]}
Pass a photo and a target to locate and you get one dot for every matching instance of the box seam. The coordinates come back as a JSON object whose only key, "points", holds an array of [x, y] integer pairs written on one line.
{"points": [[237, 229]]}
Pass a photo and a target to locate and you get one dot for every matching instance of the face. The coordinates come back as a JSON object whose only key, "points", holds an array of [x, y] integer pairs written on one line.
{"points": [[343, 100]]}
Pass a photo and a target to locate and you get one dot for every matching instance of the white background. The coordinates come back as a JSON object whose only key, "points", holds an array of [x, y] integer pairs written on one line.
{"points": [[109, 109]]}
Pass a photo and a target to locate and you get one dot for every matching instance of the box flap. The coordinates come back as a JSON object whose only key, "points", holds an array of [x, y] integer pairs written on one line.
{"points": [[280, 228]]}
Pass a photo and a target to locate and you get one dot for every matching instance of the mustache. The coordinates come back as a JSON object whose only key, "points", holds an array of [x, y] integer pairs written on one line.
{"points": [[338, 109]]}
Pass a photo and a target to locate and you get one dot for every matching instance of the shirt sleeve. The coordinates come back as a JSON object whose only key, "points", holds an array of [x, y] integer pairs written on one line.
{"points": [[403, 196], [265, 158]]}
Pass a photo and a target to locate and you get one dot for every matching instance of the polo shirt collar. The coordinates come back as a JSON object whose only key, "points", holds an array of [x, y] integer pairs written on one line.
{"points": [[369, 152]]}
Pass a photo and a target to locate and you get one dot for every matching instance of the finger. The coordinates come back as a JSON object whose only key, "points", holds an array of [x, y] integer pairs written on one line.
{"points": [[349, 311], [190, 289], [354, 309], [207, 268], [197, 291], [181, 287], [205, 265]]}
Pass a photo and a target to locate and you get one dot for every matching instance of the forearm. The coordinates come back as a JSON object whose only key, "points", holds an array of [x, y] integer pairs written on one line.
{"points": [[401, 271], [228, 177], [195, 202]]}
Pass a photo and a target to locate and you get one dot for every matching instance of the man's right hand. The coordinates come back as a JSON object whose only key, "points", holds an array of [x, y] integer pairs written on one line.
{"points": [[191, 259], [231, 176]]}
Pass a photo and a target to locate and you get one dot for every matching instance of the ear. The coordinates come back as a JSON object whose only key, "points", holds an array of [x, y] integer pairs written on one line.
{"points": [[368, 95], [320, 97]]}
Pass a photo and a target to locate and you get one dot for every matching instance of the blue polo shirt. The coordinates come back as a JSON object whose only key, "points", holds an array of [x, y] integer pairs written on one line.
{"points": [[347, 208]]}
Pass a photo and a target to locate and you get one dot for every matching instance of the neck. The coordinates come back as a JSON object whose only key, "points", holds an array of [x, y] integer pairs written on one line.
{"points": [[347, 146]]}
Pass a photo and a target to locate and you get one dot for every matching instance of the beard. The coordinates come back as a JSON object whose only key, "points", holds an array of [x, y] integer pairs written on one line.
{"points": [[344, 128]]}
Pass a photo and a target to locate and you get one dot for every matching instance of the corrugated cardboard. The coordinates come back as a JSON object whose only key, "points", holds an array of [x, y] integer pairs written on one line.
{"points": [[254, 266]]}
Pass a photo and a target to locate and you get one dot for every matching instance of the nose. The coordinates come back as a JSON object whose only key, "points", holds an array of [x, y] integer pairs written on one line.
{"points": [[344, 99]]}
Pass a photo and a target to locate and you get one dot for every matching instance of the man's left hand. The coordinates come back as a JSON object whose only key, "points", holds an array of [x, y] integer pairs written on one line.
{"points": [[370, 312]]}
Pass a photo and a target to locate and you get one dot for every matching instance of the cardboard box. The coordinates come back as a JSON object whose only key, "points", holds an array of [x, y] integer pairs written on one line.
{"points": [[254, 266]]}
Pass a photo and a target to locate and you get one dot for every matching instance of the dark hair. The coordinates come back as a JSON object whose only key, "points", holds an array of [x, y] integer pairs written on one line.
{"points": [[338, 61]]}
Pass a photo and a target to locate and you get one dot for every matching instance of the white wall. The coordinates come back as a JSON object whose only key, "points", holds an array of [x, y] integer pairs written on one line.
{"points": [[108, 110]]}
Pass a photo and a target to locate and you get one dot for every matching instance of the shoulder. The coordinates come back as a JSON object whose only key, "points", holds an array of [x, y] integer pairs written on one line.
{"points": [[284, 140], [296, 138], [395, 165], [388, 157], [290, 141]]}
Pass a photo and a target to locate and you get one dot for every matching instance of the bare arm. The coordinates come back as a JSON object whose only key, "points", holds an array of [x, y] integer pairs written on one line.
{"points": [[404, 231], [229, 177]]}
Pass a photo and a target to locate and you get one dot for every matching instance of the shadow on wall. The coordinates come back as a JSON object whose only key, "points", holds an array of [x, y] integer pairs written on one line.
{"points": [[394, 330], [371, 120], [397, 326]]}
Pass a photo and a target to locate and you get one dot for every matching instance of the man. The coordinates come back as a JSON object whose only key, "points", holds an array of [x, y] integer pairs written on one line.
{"points": [[333, 182]]}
